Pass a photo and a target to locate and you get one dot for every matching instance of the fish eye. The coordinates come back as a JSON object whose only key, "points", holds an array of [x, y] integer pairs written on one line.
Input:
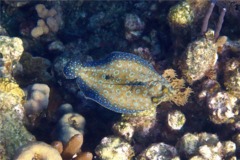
{"points": [[155, 100], [107, 77]]}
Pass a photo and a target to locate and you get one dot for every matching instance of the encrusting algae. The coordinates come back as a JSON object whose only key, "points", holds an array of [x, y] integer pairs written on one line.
{"points": [[201, 57], [13, 134], [125, 83], [10, 88]]}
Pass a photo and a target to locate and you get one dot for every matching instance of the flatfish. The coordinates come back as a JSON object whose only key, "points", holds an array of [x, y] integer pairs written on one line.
{"points": [[121, 82]]}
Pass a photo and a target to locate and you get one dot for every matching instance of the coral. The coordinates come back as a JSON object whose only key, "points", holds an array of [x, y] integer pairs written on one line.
{"points": [[229, 149], [50, 21], [41, 29], [13, 134], [145, 54], [123, 129], [236, 140], [56, 46], [84, 156], [205, 146], [36, 101], [64, 109], [201, 57], [139, 124], [198, 8], [43, 12], [176, 120], [232, 77], [134, 27], [37, 98], [159, 151], [180, 16], [58, 146], [185, 16], [34, 70], [72, 150], [10, 89], [52, 24], [69, 125], [17, 3], [114, 148], [181, 94], [222, 107], [11, 51], [37, 150], [209, 88], [3, 31], [73, 146], [40, 150], [3, 154]]}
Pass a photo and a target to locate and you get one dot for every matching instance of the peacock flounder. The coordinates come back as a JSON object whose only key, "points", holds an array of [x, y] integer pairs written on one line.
{"points": [[126, 83]]}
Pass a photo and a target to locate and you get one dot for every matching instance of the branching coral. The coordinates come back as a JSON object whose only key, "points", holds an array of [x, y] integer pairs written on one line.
{"points": [[51, 21], [182, 93]]}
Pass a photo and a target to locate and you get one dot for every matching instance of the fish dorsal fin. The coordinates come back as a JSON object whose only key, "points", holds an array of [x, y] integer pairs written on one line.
{"points": [[117, 55]]}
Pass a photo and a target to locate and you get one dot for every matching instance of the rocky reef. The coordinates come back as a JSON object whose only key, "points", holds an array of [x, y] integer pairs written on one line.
{"points": [[83, 80]]}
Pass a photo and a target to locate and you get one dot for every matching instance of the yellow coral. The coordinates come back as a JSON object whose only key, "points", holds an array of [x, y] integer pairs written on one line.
{"points": [[11, 87], [180, 15], [10, 94], [181, 95]]}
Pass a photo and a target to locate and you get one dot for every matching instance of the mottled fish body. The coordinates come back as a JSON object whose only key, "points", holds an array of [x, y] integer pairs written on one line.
{"points": [[121, 82]]}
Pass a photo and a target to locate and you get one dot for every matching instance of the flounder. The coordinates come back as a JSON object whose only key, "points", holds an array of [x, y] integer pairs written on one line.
{"points": [[121, 82]]}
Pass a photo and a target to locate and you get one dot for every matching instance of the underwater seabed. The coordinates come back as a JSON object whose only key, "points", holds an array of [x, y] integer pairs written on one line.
{"points": [[119, 80]]}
